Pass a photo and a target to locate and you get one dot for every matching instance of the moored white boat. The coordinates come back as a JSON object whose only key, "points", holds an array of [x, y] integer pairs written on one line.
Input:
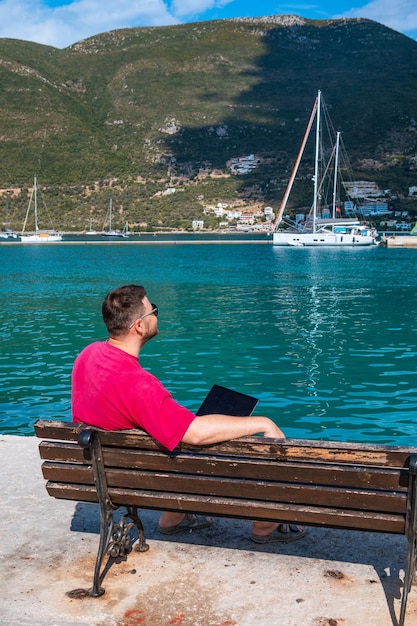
{"points": [[42, 236], [39, 236], [318, 231], [91, 230], [343, 233], [8, 233], [113, 233]]}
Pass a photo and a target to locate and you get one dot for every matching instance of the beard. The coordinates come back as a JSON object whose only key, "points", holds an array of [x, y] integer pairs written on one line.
{"points": [[150, 332]]}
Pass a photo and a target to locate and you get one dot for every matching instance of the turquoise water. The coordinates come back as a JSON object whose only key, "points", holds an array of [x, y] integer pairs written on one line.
{"points": [[327, 339]]}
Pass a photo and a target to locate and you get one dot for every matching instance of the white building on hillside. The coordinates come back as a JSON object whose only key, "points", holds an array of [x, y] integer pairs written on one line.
{"points": [[362, 189]]}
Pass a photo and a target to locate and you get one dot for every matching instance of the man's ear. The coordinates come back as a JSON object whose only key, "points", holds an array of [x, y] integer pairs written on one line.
{"points": [[138, 326]]}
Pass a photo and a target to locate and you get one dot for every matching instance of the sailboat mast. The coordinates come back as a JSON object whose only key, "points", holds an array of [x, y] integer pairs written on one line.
{"points": [[110, 215], [316, 166], [281, 209], [336, 169], [36, 204]]}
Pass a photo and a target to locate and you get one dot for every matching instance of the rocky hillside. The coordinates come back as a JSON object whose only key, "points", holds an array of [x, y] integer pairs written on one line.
{"points": [[137, 113]]}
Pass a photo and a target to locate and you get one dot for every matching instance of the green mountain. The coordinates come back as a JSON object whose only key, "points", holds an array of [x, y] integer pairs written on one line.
{"points": [[132, 113]]}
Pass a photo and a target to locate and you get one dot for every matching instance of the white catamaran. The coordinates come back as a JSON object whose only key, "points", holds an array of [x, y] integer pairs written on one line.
{"points": [[323, 226], [39, 236]]}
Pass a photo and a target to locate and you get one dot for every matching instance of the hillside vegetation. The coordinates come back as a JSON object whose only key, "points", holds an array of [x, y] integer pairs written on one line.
{"points": [[131, 113]]}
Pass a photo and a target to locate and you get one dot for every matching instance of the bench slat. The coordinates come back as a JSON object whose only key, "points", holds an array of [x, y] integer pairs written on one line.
{"points": [[296, 471], [69, 452], [243, 509]]}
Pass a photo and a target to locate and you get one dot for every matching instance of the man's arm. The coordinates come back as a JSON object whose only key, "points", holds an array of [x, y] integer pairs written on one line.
{"points": [[214, 428]]}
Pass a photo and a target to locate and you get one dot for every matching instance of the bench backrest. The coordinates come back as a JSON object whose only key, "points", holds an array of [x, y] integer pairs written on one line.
{"points": [[340, 485]]}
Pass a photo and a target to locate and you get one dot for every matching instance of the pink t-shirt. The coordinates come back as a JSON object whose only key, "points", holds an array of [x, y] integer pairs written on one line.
{"points": [[112, 391]]}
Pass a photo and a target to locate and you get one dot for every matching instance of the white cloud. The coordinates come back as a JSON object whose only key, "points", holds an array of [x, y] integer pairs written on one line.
{"points": [[191, 8], [63, 25], [401, 15]]}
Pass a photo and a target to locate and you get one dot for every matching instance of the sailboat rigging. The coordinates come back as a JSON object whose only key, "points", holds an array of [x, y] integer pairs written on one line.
{"points": [[39, 236], [91, 230], [322, 227], [111, 232]]}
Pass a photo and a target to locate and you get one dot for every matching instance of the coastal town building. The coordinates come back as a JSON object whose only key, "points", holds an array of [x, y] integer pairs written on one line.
{"points": [[362, 189], [243, 165], [374, 209]]}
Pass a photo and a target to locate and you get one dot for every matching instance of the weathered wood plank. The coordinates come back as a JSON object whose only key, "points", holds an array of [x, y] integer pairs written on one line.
{"points": [[242, 509], [291, 449], [67, 473], [69, 452], [266, 469]]}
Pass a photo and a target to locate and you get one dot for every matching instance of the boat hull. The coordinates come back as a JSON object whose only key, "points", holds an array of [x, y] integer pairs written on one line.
{"points": [[114, 234], [8, 234], [322, 239], [41, 238]]}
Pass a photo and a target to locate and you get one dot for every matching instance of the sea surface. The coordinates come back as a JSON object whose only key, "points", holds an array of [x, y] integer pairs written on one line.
{"points": [[326, 339]]}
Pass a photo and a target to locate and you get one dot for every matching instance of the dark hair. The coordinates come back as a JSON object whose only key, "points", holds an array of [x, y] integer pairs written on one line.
{"points": [[121, 307]]}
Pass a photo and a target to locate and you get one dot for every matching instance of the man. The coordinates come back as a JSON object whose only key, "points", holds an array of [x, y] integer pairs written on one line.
{"points": [[112, 391]]}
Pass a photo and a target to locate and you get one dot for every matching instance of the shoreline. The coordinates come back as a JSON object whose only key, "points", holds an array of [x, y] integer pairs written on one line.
{"points": [[137, 242], [149, 238]]}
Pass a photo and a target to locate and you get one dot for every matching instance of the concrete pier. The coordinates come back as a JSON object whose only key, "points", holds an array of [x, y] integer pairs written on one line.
{"points": [[212, 577], [403, 241]]}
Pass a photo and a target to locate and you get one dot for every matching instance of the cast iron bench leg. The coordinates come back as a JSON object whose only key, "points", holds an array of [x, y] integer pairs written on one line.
{"points": [[114, 538], [141, 545]]}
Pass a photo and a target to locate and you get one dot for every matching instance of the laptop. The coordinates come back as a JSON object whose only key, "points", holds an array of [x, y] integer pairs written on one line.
{"points": [[228, 402]]}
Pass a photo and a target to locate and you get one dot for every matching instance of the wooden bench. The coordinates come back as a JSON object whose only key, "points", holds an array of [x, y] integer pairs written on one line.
{"points": [[317, 483]]}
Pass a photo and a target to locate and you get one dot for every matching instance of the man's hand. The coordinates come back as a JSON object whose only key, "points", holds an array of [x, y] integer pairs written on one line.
{"points": [[272, 430], [214, 428]]}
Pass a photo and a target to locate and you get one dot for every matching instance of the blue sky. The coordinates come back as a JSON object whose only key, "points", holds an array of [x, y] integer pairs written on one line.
{"points": [[61, 23]]}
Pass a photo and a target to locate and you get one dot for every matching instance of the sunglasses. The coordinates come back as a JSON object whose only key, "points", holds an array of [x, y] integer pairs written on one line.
{"points": [[154, 311]]}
